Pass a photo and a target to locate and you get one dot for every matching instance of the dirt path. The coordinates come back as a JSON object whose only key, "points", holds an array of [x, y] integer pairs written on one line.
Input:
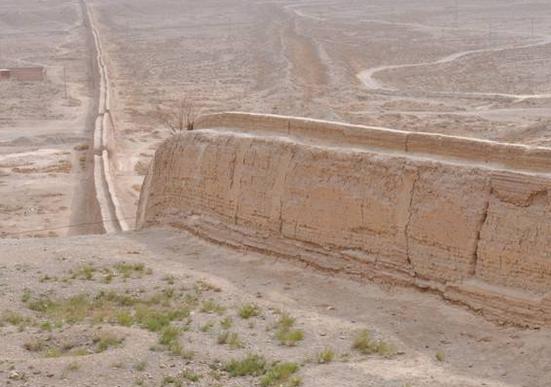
{"points": [[370, 82], [86, 217]]}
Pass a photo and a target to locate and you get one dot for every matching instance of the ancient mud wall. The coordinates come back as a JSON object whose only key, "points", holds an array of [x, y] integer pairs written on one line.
{"points": [[466, 218]]}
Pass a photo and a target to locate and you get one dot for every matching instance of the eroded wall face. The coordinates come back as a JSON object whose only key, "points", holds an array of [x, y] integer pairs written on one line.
{"points": [[478, 236]]}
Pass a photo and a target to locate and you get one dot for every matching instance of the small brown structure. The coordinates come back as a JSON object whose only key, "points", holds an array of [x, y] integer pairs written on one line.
{"points": [[4, 74], [23, 73]]}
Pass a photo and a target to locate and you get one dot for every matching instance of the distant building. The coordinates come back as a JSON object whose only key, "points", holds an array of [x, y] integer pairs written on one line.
{"points": [[4, 74], [23, 73]]}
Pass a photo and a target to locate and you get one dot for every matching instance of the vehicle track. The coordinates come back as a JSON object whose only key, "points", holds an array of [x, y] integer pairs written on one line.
{"points": [[367, 77]]}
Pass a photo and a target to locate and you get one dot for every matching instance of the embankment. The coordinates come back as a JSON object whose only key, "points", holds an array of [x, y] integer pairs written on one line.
{"points": [[466, 218], [103, 139]]}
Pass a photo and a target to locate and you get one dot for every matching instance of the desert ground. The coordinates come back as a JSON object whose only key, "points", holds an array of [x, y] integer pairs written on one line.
{"points": [[91, 311], [85, 310], [44, 128]]}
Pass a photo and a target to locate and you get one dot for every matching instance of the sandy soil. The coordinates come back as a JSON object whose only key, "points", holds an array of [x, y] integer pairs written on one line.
{"points": [[54, 345], [44, 133]]}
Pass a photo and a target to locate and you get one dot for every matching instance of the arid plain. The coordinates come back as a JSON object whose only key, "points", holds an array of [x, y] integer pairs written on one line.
{"points": [[79, 310]]}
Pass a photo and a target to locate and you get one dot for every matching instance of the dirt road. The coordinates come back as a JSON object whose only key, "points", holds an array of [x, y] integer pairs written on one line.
{"points": [[371, 83]]}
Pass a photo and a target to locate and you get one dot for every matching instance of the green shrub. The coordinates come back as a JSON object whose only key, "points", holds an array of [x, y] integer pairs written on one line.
{"points": [[281, 374], [226, 323], [232, 339], [251, 365], [210, 306], [326, 356], [249, 310], [364, 344]]}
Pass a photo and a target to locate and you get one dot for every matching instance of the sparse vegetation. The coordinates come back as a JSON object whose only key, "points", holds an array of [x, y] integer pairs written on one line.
{"points": [[73, 366], [231, 339], [364, 344], [56, 347], [85, 272], [167, 380], [14, 318], [207, 327], [249, 310], [440, 356], [204, 286], [180, 116], [285, 332], [326, 356], [226, 323], [251, 365], [190, 375], [289, 337], [123, 270], [170, 279], [140, 366], [281, 374], [169, 335], [210, 306], [278, 374]]}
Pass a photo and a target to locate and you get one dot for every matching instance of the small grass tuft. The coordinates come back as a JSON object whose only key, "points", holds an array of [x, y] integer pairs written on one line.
{"points": [[85, 272], [231, 339], [128, 270], [285, 321], [249, 310], [226, 323], [289, 337], [210, 306], [326, 356], [367, 346], [204, 286], [171, 380], [281, 374], [106, 340], [140, 366], [285, 332], [440, 356], [168, 335], [190, 375], [14, 318], [73, 366], [124, 318], [251, 365], [207, 327]]}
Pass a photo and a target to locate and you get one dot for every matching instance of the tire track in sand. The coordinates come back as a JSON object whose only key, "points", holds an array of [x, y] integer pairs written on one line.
{"points": [[367, 77]]}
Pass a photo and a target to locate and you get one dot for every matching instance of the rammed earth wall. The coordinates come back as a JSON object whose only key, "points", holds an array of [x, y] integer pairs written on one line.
{"points": [[467, 218]]}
